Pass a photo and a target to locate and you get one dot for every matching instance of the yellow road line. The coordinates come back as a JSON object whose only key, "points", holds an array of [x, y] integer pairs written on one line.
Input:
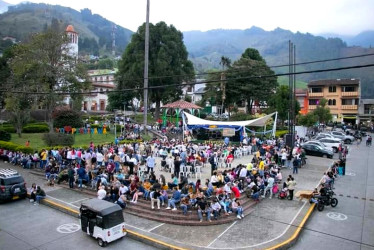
{"points": [[296, 233], [129, 231]]}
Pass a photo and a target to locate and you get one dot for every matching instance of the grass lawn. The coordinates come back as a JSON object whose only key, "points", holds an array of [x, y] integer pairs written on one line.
{"points": [[36, 141]]}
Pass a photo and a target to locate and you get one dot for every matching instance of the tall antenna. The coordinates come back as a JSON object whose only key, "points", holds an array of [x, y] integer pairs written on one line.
{"points": [[114, 28]]}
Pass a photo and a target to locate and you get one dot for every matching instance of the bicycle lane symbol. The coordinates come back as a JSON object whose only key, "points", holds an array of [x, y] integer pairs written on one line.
{"points": [[337, 216], [68, 228]]}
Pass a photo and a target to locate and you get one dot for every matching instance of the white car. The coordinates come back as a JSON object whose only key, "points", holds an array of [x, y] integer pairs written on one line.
{"points": [[318, 143], [348, 139], [331, 143]]}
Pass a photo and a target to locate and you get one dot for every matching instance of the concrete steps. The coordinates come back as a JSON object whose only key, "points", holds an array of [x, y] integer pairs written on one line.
{"points": [[143, 209]]}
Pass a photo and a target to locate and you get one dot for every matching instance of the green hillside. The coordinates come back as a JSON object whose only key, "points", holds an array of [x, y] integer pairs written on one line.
{"points": [[94, 30], [283, 80], [206, 48]]}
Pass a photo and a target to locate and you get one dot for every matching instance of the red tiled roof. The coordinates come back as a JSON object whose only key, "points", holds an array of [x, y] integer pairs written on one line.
{"points": [[181, 104]]}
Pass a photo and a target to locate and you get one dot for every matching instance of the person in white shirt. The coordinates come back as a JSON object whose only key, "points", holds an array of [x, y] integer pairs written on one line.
{"points": [[99, 158], [101, 193], [269, 187], [284, 158]]}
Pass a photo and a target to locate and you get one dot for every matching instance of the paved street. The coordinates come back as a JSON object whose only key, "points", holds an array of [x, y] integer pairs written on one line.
{"points": [[25, 226], [272, 221], [350, 225]]}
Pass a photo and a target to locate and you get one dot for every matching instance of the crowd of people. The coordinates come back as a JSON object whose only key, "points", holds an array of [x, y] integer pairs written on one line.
{"points": [[114, 171], [125, 173]]}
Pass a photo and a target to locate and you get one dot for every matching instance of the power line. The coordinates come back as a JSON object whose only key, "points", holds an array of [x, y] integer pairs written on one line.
{"points": [[274, 66], [211, 81]]}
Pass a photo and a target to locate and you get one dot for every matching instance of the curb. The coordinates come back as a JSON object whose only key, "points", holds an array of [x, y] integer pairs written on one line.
{"points": [[292, 240], [132, 234]]}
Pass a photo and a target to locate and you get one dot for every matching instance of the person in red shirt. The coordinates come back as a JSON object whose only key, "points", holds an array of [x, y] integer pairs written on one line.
{"points": [[235, 191]]}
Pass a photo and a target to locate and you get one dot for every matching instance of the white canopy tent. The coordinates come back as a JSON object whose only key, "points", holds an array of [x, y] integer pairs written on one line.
{"points": [[193, 122]]}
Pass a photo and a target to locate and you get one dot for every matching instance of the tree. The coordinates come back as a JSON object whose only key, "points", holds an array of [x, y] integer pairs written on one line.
{"points": [[168, 65], [307, 120], [225, 62], [322, 112], [281, 103], [244, 81], [45, 65], [19, 106]]}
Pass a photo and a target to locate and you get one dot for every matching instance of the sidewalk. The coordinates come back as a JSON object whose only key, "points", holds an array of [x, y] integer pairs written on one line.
{"points": [[273, 223]]}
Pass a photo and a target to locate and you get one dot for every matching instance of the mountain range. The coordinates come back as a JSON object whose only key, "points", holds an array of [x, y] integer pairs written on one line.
{"points": [[95, 31], [4, 6], [206, 48]]}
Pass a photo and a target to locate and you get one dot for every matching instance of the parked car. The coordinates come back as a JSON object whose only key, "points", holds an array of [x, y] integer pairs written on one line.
{"points": [[315, 150], [12, 185], [318, 143], [332, 143], [348, 139]]}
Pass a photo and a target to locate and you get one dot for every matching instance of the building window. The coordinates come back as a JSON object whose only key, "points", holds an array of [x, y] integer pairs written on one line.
{"points": [[107, 78], [369, 109], [332, 89], [313, 101], [316, 90], [349, 101], [348, 89], [331, 102]]}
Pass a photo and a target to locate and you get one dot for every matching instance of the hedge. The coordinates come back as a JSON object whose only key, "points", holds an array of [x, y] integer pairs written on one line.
{"points": [[15, 147], [280, 133], [5, 136], [8, 128], [35, 128]]}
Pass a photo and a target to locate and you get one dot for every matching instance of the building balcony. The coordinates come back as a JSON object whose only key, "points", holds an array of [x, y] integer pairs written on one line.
{"points": [[349, 107], [354, 93], [333, 107], [318, 94], [312, 107]]}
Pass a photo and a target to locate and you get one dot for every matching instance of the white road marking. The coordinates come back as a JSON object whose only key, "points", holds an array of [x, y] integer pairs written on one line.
{"points": [[80, 200], [156, 227], [62, 201], [262, 243], [68, 228], [222, 233]]}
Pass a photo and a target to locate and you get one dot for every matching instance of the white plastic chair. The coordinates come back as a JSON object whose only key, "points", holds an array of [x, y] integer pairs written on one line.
{"points": [[198, 171]]}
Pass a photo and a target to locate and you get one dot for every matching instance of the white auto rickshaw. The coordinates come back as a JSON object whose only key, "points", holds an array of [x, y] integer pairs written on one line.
{"points": [[102, 220]]}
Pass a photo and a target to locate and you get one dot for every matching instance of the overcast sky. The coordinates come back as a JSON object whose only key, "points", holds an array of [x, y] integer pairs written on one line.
{"points": [[344, 17]]}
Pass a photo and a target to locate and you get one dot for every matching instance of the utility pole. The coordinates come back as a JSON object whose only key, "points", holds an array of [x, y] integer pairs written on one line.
{"points": [[223, 88], [146, 55], [291, 86]]}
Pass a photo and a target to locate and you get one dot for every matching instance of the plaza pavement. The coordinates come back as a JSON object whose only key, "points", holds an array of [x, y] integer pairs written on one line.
{"points": [[273, 223]]}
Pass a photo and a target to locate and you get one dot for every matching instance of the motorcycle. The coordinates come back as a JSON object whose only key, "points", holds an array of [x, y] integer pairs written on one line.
{"points": [[327, 200]]}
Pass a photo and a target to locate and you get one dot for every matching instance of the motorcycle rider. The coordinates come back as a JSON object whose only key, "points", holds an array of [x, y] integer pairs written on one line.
{"points": [[322, 194]]}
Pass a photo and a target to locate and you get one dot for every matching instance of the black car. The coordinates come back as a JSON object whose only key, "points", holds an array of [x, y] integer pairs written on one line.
{"points": [[12, 185], [317, 151]]}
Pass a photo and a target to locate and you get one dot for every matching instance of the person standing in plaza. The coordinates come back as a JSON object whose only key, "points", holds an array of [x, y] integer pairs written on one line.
{"points": [[150, 163], [71, 174], [291, 183]]}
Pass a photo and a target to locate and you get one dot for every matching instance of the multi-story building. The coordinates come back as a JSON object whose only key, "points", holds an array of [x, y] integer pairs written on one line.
{"points": [[102, 81], [366, 111], [342, 95]]}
